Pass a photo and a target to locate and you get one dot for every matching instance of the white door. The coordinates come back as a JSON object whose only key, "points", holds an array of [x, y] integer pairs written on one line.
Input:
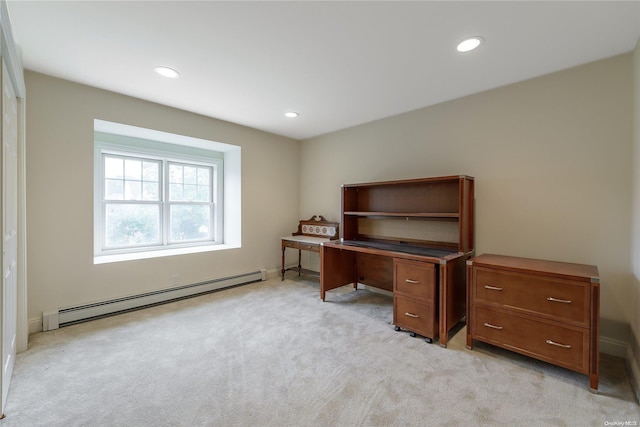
{"points": [[9, 213]]}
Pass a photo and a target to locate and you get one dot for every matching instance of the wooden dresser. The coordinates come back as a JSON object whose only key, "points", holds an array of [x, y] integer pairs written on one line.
{"points": [[544, 309]]}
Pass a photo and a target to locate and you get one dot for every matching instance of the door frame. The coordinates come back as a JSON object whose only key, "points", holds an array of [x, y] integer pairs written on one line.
{"points": [[13, 62]]}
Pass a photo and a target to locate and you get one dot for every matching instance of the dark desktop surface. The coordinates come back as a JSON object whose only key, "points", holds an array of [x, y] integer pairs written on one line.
{"points": [[396, 247]]}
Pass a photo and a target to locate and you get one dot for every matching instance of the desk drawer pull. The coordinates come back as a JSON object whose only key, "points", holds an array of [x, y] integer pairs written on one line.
{"points": [[415, 316], [564, 301], [415, 282], [558, 344], [492, 288], [489, 325]]}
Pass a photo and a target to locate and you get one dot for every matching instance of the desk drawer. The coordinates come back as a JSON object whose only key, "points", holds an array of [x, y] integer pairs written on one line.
{"points": [[560, 345], [300, 245], [417, 279], [415, 316], [558, 299]]}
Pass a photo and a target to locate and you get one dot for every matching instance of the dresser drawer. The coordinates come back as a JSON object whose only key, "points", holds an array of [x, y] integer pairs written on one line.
{"points": [[560, 345], [417, 279], [557, 299], [415, 316]]}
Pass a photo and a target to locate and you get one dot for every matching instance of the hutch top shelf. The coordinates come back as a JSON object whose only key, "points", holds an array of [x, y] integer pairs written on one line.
{"points": [[439, 200]]}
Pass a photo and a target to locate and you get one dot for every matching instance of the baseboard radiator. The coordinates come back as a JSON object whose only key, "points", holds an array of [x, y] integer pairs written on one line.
{"points": [[69, 316]]}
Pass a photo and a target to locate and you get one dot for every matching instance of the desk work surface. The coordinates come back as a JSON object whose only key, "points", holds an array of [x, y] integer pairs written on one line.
{"points": [[396, 250], [312, 240], [396, 247]]}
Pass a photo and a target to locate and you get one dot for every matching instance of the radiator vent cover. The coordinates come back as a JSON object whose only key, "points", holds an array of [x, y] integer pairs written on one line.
{"points": [[69, 316]]}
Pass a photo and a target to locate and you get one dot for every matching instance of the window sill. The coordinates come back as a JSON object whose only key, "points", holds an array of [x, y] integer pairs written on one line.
{"points": [[105, 259]]}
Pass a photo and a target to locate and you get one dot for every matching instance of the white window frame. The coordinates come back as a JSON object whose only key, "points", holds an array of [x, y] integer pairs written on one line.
{"points": [[104, 202], [215, 206], [225, 160], [165, 159]]}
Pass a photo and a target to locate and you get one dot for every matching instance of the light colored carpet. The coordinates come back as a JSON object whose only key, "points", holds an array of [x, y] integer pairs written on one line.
{"points": [[273, 354]]}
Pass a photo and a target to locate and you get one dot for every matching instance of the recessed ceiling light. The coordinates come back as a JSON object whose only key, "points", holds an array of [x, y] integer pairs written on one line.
{"points": [[291, 114], [167, 72], [469, 44]]}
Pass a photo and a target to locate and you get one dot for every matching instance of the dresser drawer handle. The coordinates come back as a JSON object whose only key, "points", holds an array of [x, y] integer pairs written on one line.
{"points": [[489, 325], [558, 344], [415, 282], [415, 316], [564, 301], [492, 288]]}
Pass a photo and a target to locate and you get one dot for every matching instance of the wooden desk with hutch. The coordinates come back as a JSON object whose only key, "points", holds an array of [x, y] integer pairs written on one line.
{"points": [[413, 238]]}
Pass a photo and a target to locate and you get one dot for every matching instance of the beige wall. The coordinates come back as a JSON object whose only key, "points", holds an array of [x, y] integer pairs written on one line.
{"points": [[61, 272], [633, 355], [552, 162]]}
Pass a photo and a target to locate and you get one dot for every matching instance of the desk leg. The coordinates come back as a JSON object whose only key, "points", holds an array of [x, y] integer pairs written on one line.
{"points": [[299, 261], [453, 295], [337, 268], [282, 271]]}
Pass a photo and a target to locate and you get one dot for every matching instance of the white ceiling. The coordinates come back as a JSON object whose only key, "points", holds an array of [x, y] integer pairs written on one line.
{"points": [[338, 64]]}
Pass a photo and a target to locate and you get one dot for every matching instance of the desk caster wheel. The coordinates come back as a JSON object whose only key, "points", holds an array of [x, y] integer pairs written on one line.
{"points": [[396, 328], [412, 334], [428, 340]]}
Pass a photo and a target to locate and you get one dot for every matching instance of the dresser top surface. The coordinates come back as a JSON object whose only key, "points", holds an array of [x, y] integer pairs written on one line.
{"points": [[579, 271]]}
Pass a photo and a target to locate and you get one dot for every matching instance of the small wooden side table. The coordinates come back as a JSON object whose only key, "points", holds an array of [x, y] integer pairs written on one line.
{"points": [[310, 235]]}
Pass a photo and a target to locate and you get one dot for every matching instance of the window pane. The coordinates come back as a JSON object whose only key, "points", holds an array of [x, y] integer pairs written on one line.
{"points": [[114, 189], [175, 174], [150, 191], [189, 222], [190, 175], [204, 195], [133, 190], [190, 193], [132, 225], [203, 176], [113, 167], [150, 171], [176, 192], [133, 169]]}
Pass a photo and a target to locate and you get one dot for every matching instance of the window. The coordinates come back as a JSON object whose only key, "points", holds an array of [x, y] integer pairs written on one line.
{"points": [[154, 196], [191, 204], [149, 202], [131, 202]]}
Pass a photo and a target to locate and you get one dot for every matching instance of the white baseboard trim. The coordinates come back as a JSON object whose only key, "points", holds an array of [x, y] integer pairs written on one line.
{"points": [[634, 372], [35, 325], [613, 347], [274, 274]]}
